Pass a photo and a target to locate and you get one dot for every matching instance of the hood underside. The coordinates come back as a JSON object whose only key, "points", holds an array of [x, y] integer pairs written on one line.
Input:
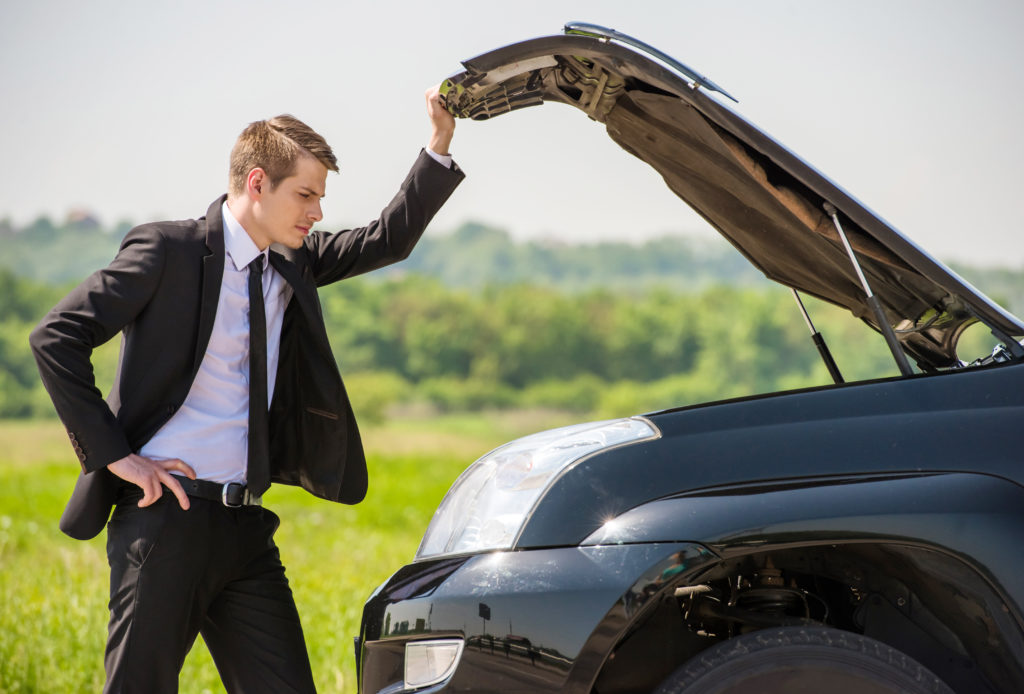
{"points": [[766, 201]]}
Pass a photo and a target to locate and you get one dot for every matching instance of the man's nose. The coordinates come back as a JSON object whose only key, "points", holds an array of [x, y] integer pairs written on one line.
{"points": [[315, 213]]}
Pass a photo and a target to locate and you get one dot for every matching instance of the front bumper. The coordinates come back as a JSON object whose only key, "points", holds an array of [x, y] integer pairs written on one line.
{"points": [[533, 621]]}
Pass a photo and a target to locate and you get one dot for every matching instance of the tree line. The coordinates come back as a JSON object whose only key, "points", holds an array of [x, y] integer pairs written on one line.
{"points": [[413, 340], [596, 352], [475, 255], [604, 329]]}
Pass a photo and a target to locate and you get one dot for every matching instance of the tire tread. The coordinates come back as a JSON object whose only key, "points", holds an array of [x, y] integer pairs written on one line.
{"points": [[765, 639]]}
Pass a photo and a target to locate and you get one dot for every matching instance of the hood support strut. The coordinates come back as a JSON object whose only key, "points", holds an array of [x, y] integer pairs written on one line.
{"points": [[876, 306], [819, 342]]}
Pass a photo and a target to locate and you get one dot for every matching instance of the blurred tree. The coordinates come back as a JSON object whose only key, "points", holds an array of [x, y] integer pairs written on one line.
{"points": [[606, 327]]}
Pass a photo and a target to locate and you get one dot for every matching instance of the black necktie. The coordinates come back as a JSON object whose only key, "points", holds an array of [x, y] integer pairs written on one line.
{"points": [[259, 436]]}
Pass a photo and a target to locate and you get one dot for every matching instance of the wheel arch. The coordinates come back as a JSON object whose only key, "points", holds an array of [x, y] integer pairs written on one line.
{"points": [[921, 553]]}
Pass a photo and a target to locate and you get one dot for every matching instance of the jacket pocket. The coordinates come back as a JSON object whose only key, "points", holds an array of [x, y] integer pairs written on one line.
{"points": [[322, 413]]}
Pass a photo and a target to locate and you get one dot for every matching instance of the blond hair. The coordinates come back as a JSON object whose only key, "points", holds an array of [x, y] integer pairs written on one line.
{"points": [[275, 145]]}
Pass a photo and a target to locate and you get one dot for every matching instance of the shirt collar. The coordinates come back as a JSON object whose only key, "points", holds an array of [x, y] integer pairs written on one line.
{"points": [[237, 243]]}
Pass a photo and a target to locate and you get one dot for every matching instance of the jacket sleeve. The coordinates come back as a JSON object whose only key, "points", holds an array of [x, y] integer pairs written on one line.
{"points": [[392, 236], [63, 341]]}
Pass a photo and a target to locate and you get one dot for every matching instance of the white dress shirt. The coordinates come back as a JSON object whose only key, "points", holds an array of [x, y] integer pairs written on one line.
{"points": [[210, 430]]}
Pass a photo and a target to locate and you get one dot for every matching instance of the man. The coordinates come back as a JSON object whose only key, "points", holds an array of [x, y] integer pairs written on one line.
{"points": [[220, 321]]}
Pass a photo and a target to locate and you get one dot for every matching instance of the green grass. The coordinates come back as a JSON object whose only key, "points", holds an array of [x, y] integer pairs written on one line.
{"points": [[53, 590]]}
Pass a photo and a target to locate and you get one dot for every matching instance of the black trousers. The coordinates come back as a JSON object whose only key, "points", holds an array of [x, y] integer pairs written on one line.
{"points": [[211, 570]]}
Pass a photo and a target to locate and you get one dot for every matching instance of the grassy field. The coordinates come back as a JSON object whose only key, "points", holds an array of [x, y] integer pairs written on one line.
{"points": [[53, 590]]}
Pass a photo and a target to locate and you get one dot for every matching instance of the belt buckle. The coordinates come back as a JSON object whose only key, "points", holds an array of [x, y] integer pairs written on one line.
{"points": [[227, 490]]}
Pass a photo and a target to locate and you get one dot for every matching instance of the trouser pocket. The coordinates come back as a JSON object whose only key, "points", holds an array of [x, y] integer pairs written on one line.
{"points": [[133, 532]]}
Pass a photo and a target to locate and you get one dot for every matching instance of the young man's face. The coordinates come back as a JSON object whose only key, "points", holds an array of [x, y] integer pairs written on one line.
{"points": [[285, 213]]}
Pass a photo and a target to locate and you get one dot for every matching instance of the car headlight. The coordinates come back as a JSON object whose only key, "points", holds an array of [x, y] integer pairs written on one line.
{"points": [[489, 503]]}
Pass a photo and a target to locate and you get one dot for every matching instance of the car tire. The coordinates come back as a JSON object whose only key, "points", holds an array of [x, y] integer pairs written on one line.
{"points": [[802, 660]]}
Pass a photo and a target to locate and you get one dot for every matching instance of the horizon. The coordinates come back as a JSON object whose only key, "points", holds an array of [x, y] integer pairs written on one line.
{"points": [[717, 244]]}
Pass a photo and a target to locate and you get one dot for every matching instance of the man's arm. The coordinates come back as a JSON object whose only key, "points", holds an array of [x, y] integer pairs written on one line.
{"points": [[442, 123], [392, 236], [63, 342], [90, 315]]}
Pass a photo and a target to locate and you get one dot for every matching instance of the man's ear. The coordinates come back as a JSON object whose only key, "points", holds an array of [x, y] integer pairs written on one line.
{"points": [[255, 182]]}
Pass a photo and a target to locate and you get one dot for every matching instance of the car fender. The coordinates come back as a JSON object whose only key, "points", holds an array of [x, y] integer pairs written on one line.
{"points": [[974, 516]]}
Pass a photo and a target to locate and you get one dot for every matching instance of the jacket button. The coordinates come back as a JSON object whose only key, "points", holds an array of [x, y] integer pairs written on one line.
{"points": [[81, 456], [71, 436]]}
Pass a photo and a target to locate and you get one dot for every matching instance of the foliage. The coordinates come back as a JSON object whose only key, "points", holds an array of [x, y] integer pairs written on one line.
{"points": [[476, 255], [22, 303], [412, 340], [525, 345], [373, 392], [600, 328], [56, 254]]}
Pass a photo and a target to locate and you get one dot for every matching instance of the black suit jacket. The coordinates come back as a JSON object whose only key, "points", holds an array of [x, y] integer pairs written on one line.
{"points": [[161, 293]]}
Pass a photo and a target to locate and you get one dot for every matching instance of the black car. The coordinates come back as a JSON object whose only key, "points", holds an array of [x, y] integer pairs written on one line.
{"points": [[854, 537]]}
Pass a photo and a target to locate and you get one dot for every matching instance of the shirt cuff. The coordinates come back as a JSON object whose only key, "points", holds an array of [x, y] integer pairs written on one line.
{"points": [[442, 159]]}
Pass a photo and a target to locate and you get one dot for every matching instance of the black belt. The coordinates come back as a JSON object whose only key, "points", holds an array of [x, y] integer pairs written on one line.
{"points": [[231, 494]]}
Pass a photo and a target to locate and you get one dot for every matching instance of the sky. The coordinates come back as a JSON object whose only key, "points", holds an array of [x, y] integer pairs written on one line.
{"points": [[129, 109]]}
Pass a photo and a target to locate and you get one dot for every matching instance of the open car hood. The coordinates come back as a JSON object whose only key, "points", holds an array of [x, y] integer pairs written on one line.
{"points": [[765, 200]]}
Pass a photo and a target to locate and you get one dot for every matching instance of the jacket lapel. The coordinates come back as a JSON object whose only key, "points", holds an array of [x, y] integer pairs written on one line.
{"points": [[213, 274], [303, 292]]}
